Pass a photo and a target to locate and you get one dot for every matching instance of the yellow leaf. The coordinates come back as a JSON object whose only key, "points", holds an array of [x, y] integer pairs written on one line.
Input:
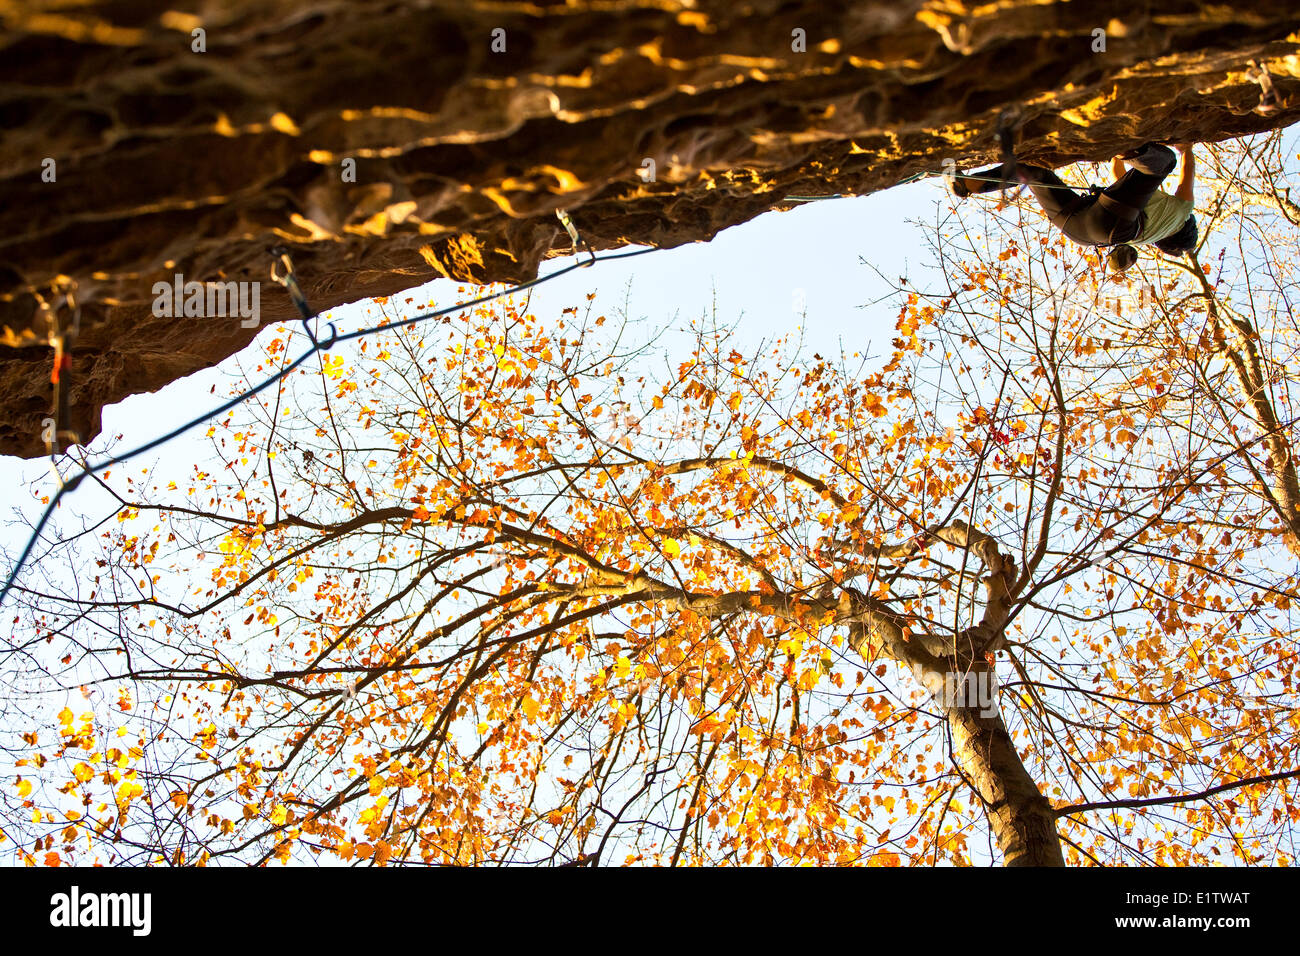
{"points": [[530, 707], [128, 791], [279, 814], [672, 548], [24, 788]]}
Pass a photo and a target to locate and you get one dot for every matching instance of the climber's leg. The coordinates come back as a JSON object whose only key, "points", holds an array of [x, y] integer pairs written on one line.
{"points": [[981, 181], [1148, 168], [1062, 203], [1059, 201], [1052, 193], [1103, 223]]}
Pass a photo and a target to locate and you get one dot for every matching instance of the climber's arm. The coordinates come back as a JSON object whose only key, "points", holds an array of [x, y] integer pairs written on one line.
{"points": [[1116, 168], [1185, 184]]}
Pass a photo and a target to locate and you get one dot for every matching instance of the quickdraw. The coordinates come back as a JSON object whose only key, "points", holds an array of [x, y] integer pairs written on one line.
{"points": [[289, 279], [62, 338], [1268, 101], [577, 240]]}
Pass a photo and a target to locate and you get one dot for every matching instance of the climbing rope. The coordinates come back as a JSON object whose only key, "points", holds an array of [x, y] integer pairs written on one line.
{"points": [[930, 174], [289, 281]]}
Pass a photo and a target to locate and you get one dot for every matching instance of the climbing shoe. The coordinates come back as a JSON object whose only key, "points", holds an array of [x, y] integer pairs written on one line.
{"points": [[1134, 153]]}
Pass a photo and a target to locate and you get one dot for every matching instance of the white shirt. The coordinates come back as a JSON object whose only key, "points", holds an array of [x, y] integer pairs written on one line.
{"points": [[1165, 215]]}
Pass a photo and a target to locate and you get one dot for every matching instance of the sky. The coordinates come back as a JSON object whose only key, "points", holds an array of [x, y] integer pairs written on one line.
{"points": [[811, 269], [801, 270], [759, 271], [761, 276]]}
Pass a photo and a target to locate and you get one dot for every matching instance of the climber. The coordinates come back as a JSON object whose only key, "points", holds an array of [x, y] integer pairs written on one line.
{"points": [[1131, 211]]}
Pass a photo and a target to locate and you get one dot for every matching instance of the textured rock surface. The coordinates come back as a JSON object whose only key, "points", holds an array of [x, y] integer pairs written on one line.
{"points": [[174, 161]]}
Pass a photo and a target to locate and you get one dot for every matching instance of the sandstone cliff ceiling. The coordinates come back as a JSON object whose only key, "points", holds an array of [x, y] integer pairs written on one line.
{"points": [[168, 160]]}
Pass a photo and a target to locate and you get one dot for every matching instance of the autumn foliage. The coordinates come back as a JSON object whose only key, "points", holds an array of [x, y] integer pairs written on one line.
{"points": [[505, 588]]}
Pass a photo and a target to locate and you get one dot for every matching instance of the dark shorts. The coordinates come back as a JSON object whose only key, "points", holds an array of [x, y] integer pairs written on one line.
{"points": [[1090, 223]]}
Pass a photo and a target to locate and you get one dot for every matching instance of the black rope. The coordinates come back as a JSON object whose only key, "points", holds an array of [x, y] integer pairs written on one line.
{"points": [[929, 174], [316, 347]]}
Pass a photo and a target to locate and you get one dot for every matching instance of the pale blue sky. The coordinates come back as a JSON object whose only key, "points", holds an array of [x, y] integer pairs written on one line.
{"points": [[754, 271], [755, 268]]}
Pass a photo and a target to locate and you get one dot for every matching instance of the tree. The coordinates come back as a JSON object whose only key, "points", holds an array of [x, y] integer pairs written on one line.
{"points": [[1193, 392], [510, 592]]}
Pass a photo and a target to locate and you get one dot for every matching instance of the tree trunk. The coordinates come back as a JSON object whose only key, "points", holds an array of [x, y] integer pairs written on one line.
{"points": [[1023, 822], [1022, 819]]}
